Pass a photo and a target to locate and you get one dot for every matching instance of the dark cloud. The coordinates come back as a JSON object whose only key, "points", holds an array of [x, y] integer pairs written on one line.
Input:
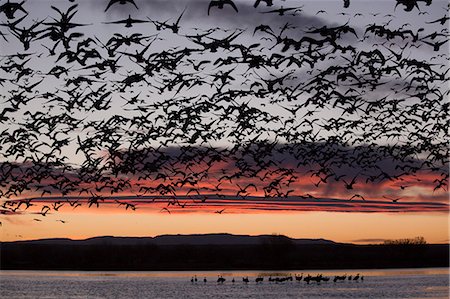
{"points": [[251, 203], [196, 14]]}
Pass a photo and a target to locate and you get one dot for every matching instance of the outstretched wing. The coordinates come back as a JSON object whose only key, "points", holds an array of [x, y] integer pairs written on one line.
{"points": [[212, 4], [110, 3], [232, 4], [132, 2]]}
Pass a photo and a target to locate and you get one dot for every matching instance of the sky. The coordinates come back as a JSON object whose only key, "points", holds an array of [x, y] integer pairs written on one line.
{"points": [[325, 122]]}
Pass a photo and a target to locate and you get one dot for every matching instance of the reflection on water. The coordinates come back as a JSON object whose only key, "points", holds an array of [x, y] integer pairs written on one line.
{"points": [[250, 273], [392, 283]]}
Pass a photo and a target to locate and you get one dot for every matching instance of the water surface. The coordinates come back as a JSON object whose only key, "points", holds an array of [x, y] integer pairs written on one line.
{"points": [[386, 283]]}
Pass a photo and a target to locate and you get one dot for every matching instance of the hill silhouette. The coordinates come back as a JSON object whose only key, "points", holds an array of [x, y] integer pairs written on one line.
{"points": [[179, 239], [214, 252]]}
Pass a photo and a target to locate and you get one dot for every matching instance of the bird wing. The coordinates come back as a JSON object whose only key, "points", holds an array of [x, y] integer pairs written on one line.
{"points": [[211, 4], [232, 4], [179, 18], [138, 21], [110, 3], [132, 2], [116, 22]]}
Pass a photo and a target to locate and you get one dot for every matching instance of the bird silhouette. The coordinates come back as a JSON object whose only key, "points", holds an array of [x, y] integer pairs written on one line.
{"points": [[122, 2], [166, 209], [10, 8], [282, 11], [268, 3], [393, 199], [221, 279], [441, 21], [220, 4], [128, 22], [351, 183]]}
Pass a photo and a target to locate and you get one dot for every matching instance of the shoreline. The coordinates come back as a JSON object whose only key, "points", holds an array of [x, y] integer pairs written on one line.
{"points": [[280, 271]]}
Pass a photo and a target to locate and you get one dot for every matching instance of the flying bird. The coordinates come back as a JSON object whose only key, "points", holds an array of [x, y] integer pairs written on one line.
{"points": [[357, 196], [122, 2], [349, 185], [10, 8], [281, 11], [166, 209], [221, 3], [268, 3], [393, 199], [441, 21], [128, 22]]}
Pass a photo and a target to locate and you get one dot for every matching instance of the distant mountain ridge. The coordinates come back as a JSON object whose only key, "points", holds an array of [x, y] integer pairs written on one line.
{"points": [[172, 240], [213, 252]]}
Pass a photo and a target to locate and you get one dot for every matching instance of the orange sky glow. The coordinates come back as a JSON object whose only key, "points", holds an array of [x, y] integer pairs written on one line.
{"points": [[151, 219], [403, 208]]}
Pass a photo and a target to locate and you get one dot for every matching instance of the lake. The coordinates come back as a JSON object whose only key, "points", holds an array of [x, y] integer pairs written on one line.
{"points": [[390, 283]]}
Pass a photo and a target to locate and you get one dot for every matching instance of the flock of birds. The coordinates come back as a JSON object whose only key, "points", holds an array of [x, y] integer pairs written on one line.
{"points": [[281, 279], [160, 108]]}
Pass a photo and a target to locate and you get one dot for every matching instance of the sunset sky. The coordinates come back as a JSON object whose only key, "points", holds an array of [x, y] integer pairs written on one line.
{"points": [[175, 152]]}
